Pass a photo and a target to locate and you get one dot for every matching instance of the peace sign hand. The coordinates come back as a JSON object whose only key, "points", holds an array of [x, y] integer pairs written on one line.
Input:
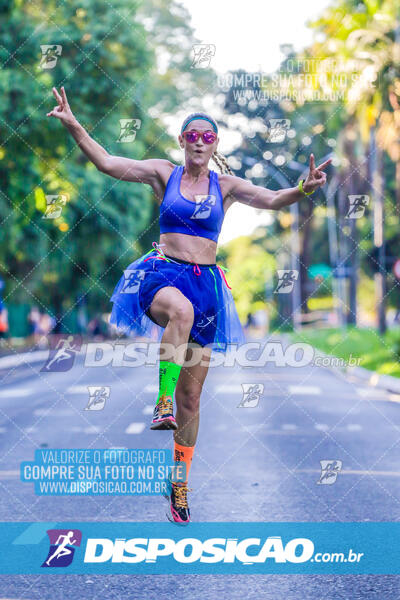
{"points": [[62, 111], [316, 177]]}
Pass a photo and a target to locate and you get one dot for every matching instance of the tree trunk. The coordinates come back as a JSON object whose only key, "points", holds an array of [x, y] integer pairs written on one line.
{"points": [[376, 157], [306, 217]]}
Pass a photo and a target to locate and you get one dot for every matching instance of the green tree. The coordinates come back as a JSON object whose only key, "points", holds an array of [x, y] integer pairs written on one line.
{"points": [[109, 68], [363, 37]]}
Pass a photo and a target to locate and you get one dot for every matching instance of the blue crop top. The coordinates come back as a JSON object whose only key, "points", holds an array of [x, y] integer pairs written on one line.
{"points": [[180, 215]]}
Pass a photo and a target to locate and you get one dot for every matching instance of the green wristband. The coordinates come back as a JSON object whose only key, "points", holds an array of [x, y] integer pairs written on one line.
{"points": [[300, 186]]}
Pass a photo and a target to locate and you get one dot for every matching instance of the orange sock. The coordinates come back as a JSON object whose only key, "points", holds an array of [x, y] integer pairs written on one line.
{"points": [[184, 454]]}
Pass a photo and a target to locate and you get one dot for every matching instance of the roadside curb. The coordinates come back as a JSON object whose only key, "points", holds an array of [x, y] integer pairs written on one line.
{"points": [[371, 378], [386, 382]]}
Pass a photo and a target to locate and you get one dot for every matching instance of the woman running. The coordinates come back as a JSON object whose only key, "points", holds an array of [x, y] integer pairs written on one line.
{"points": [[176, 288]]}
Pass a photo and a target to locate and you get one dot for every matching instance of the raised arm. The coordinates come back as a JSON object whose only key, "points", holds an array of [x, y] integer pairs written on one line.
{"points": [[127, 169], [240, 190]]}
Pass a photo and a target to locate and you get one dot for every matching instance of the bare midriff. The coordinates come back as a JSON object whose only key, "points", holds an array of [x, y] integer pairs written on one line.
{"points": [[191, 248]]}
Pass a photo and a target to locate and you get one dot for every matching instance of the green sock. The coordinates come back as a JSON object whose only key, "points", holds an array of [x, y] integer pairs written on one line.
{"points": [[169, 373]]}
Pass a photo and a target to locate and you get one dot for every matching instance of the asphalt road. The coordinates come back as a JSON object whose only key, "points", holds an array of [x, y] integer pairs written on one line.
{"points": [[252, 463]]}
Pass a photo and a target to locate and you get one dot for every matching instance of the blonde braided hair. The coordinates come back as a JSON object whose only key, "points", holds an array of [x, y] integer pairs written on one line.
{"points": [[222, 163]]}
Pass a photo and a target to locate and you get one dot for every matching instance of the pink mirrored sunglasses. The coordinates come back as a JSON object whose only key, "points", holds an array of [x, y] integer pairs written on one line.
{"points": [[208, 137]]}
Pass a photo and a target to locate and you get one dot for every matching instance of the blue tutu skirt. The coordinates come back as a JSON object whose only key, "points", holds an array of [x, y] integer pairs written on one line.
{"points": [[216, 322]]}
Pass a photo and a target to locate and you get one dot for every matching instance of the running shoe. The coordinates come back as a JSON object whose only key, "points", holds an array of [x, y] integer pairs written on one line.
{"points": [[163, 415], [176, 496]]}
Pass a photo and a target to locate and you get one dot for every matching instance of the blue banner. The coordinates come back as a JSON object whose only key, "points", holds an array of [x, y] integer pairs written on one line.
{"points": [[151, 548]]}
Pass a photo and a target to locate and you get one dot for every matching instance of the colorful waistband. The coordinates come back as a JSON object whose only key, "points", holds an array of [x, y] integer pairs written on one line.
{"points": [[185, 262], [196, 266]]}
